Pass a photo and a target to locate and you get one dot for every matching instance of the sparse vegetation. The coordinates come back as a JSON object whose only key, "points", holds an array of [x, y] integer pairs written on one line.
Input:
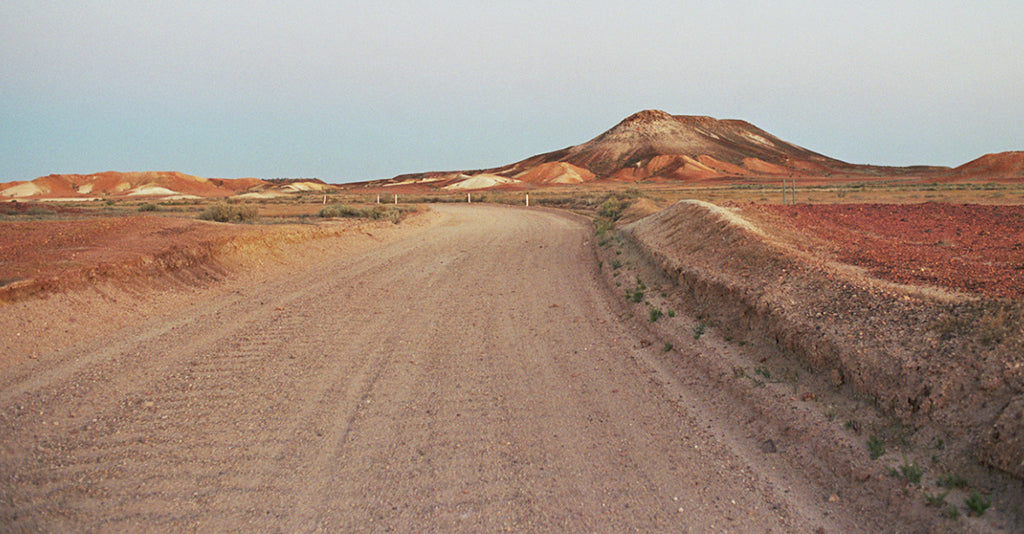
{"points": [[990, 322], [603, 226], [612, 208], [876, 447], [342, 210], [977, 503], [223, 212], [698, 330], [655, 314], [911, 472], [637, 293], [379, 212], [148, 206], [935, 499], [952, 480], [667, 347]]}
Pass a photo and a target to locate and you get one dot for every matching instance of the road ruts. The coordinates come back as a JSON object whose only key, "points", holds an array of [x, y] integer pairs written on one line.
{"points": [[472, 377]]}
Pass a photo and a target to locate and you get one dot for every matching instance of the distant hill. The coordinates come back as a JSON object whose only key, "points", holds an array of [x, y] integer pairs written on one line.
{"points": [[651, 145], [165, 185], [1000, 166], [655, 144]]}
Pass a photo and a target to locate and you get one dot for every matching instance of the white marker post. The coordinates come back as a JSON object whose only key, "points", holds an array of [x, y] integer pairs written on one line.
{"points": [[469, 198], [396, 200], [378, 199], [527, 200]]}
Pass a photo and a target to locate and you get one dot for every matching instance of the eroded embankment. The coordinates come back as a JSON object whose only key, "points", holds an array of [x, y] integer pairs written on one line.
{"points": [[929, 358]]}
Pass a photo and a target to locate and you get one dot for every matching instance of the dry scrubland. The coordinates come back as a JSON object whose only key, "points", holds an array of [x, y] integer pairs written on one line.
{"points": [[922, 387]]}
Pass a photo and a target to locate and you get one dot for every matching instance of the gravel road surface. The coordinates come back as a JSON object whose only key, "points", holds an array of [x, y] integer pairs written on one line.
{"points": [[473, 376]]}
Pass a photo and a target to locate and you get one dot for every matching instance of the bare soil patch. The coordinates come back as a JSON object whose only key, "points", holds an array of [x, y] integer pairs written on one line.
{"points": [[976, 249], [45, 256]]}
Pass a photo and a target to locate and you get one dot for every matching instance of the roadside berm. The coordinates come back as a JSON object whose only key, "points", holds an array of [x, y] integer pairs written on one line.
{"points": [[948, 365]]}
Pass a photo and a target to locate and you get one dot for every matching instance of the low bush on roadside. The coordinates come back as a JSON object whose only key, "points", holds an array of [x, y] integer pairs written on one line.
{"points": [[603, 226], [342, 210], [612, 208], [223, 212], [379, 212], [148, 207]]}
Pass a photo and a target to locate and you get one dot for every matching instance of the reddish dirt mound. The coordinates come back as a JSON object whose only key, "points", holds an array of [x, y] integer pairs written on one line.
{"points": [[973, 248], [994, 166], [44, 252]]}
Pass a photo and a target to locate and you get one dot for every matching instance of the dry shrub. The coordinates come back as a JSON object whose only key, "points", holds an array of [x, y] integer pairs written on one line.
{"points": [[223, 212], [379, 212]]}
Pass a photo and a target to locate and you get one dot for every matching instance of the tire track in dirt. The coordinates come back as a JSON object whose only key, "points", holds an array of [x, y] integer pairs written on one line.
{"points": [[131, 399], [470, 378]]}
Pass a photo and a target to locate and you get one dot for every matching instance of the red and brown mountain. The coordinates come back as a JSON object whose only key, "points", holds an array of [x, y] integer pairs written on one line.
{"points": [[654, 145]]}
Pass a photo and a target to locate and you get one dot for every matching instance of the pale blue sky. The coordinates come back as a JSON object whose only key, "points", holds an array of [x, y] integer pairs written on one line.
{"points": [[348, 91]]}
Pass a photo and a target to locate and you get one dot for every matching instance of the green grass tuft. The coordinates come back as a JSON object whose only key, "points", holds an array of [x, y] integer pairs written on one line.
{"points": [[977, 503], [952, 480], [876, 447]]}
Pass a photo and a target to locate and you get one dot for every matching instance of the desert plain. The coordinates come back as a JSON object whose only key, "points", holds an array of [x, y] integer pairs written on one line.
{"points": [[665, 339]]}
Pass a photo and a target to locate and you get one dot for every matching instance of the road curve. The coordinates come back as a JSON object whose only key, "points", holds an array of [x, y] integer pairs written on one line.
{"points": [[470, 377]]}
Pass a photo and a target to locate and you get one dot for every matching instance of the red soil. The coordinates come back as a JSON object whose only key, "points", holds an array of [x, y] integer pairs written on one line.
{"points": [[976, 249], [45, 249], [1005, 166]]}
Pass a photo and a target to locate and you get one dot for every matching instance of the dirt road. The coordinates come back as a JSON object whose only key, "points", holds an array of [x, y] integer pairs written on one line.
{"points": [[471, 377]]}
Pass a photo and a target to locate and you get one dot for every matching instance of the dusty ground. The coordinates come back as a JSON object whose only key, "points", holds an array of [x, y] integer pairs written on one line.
{"points": [[80, 247], [48, 249], [468, 372]]}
